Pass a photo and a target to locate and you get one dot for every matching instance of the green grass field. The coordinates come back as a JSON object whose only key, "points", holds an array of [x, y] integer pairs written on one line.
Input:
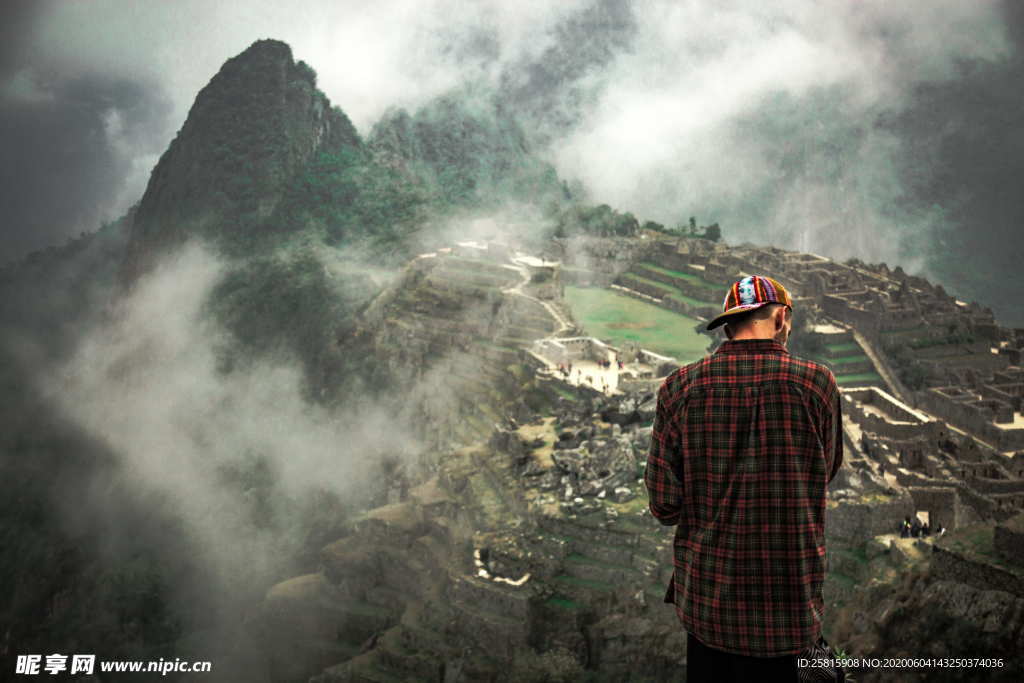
{"points": [[617, 318]]}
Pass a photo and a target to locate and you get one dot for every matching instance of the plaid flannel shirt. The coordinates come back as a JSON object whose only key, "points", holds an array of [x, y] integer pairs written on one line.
{"points": [[744, 444]]}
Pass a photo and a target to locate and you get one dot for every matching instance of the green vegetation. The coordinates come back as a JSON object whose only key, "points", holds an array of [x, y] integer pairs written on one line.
{"points": [[908, 368], [665, 288], [976, 539], [669, 290], [845, 346], [946, 340], [345, 196], [288, 306], [601, 221], [711, 232], [563, 603], [585, 583], [618, 318], [845, 360], [690, 300], [862, 377], [465, 150], [565, 393]]}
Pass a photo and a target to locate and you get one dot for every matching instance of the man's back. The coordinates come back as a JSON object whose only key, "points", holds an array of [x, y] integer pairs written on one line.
{"points": [[744, 444]]}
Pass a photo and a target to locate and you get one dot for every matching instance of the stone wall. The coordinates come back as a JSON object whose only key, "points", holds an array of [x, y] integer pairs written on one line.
{"points": [[886, 403], [968, 417], [669, 258], [973, 505], [941, 503], [689, 310], [651, 290], [856, 522], [568, 349], [905, 423], [988, 485], [640, 385], [839, 308], [687, 287], [720, 272], [952, 566], [1008, 541]]}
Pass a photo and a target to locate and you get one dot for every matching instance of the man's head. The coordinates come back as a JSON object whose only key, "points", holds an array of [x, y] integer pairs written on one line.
{"points": [[771, 321], [756, 307]]}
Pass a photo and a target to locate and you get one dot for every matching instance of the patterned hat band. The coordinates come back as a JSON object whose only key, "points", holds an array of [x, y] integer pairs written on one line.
{"points": [[750, 293]]}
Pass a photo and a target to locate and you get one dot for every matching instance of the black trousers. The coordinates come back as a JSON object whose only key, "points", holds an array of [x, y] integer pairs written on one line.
{"points": [[707, 665]]}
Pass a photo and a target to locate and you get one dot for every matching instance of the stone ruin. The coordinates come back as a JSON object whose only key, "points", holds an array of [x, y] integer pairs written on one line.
{"points": [[541, 534]]}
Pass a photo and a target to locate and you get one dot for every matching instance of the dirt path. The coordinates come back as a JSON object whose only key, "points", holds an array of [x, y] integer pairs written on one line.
{"points": [[517, 290]]}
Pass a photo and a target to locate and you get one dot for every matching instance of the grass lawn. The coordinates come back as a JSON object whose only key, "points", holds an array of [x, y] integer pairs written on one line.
{"points": [[617, 318]]}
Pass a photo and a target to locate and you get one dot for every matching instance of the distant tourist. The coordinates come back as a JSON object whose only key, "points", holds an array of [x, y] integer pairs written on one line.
{"points": [[915, 528], [905, 528], [748, 619], [940, 532], [925, 531]]}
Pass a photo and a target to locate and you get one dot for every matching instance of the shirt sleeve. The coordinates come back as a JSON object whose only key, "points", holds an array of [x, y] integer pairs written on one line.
{"points": [[833, 429], [663, 487]]}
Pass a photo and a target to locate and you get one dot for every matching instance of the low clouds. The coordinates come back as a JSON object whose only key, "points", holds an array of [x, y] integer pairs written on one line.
{"points": [[766, 118], [92, 93], [775, 120], [77, 153], [232, 455]]}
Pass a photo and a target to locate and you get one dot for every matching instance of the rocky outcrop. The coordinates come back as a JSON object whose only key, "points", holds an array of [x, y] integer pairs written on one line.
{"points": [[929, 617], [258, 121]]}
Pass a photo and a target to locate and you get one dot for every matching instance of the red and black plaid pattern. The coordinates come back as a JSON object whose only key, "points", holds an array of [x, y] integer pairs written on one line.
{"points": [[744, 444]]}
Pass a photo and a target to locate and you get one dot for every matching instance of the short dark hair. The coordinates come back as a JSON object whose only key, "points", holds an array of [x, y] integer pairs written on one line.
{"points": [[740, 320]]}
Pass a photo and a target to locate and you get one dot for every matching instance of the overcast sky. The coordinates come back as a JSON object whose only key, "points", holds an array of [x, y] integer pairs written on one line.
{"points": [[828, 127]]}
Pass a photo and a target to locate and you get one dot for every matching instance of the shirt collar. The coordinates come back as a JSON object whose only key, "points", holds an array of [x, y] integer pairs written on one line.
{"points": [[751, 346]]}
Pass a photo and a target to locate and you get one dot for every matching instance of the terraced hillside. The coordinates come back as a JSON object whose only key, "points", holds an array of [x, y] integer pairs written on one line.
{"points": [[452, 325], [514, 572], [684, 291], [846, 357]]}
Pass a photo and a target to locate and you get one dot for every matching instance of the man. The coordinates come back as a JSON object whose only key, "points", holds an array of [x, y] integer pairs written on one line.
{"points": [[744, 444]]}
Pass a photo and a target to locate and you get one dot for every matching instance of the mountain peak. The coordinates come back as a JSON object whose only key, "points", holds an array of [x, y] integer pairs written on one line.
{"points": [[257, 122]]}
